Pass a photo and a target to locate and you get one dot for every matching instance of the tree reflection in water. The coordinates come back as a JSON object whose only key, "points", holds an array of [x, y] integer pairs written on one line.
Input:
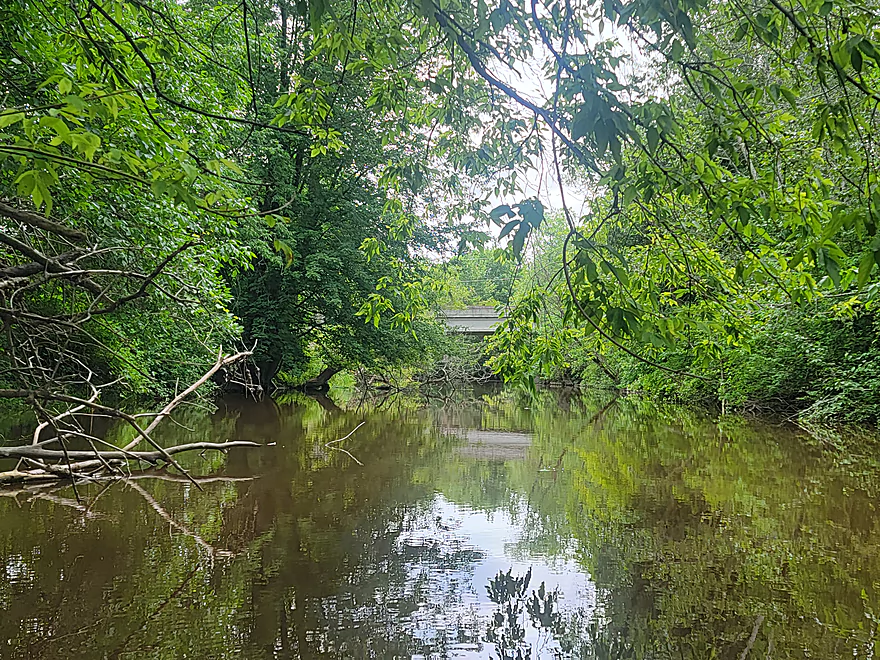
{"points": [[657, 533], [514, 608]]}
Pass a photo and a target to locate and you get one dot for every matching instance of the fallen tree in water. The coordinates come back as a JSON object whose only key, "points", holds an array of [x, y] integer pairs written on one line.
{"points": [[52, 457]]}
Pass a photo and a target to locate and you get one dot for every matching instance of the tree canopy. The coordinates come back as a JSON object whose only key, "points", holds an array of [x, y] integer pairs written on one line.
{"points": [[282, 173]]}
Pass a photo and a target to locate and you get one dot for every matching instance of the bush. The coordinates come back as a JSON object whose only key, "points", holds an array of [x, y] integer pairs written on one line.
{"points": [[806, 360]]}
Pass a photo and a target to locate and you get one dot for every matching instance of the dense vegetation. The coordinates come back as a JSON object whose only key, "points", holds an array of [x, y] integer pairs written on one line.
{"points": [[818, 360], [181, 177], [177, 177]]}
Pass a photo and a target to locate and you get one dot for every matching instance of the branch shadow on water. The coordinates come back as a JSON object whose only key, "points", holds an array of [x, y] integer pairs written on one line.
{"points": [[516, 611]]}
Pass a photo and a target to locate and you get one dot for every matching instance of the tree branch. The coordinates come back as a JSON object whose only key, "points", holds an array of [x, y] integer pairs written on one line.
{"points": [[36, 452], [40, 222]]}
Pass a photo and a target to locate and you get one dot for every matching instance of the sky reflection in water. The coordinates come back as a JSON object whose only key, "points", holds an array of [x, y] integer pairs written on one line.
{"points": [[492, 537]]}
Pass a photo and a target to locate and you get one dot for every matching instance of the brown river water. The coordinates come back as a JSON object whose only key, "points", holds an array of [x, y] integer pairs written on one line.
{"points": [[478, 524]]}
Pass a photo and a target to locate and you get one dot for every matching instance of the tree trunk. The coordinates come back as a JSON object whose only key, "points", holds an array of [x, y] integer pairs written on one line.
{"points": [[268, 369], [321, 382]]}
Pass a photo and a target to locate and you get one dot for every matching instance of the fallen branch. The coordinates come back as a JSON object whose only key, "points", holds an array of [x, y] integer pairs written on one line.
{"points": [[26, 270], [25, 476], [345, 437], [176, 478], [77, 464], [41, 222], [148, 456], [50, 483], [752, 637], [221, 362], [50, 264]]}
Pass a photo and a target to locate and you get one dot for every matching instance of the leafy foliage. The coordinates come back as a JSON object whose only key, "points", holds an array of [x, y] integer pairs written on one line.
{"points": [[729, 149]]}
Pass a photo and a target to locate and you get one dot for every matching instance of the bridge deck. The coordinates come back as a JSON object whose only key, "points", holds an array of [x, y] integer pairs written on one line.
{"points": [[474, 320]]}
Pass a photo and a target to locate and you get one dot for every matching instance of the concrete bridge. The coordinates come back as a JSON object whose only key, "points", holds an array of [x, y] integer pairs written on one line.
{"points": [[477, 320]]}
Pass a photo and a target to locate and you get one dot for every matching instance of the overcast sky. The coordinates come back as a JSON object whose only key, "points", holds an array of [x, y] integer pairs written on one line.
{"points": [[540, 180]]}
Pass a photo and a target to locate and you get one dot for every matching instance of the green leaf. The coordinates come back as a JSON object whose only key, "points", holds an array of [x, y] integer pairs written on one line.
{"points": [[620, 274], [676, 51], [532, 212], [614, 144], [191, 172], [75, 102], [833, 270], [426, 8], [581, 123], [499, 19], [56, 124], [285, 249], [789, 96], [856, 60], [500, 212], [8, 119], [604, 135], [26, 183], [317, 9], [519, 239], [653, 139], [868, 49], [509, 227], [592, 271], [865, 266]]}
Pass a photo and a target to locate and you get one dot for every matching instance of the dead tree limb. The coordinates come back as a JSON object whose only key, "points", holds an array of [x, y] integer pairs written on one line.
{"points": [[332, 444], [148, 456], [59, 295], [34, 267], [50, 264], [40, 222], [176, 401], [67, 463]]}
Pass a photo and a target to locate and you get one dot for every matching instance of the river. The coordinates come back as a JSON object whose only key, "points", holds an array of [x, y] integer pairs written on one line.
{"points": [[466, 525]]}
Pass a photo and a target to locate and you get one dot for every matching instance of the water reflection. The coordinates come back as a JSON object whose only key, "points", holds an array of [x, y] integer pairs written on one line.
{"points": [[489, 542], [645, 532]]}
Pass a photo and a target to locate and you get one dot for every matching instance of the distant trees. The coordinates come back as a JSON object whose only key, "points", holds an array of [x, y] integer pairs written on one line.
{"points": [[299, 297]]}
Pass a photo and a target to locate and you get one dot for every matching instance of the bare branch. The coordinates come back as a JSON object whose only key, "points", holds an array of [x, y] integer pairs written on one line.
{"points": [[40, 222], [50, 264], [332, 443], [31, 451], [221, 362], [26, 270]]}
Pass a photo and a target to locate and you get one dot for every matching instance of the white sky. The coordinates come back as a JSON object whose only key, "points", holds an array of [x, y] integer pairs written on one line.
{"points": [[540, 180]]}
